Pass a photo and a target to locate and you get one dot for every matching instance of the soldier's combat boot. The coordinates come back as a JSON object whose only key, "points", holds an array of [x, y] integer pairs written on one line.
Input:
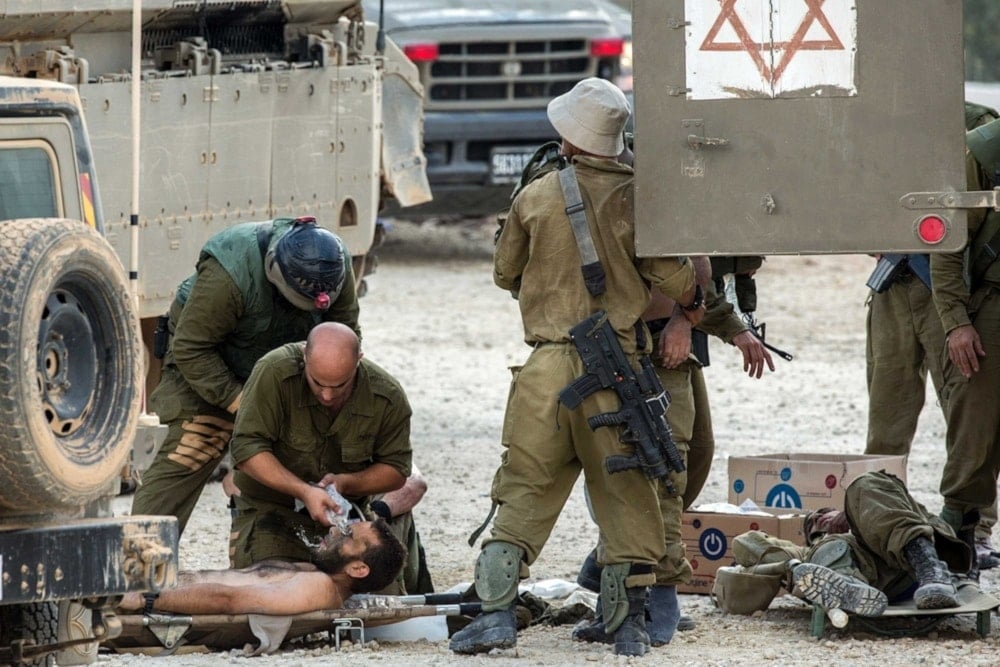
{"points": [[664, 614], [832, 590], [589, 576], [623, 606], [631, 637], [936, 590], [497, 572]]}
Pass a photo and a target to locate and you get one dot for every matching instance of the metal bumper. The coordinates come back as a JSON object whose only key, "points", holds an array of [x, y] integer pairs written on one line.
{"points": [[88, 558]]}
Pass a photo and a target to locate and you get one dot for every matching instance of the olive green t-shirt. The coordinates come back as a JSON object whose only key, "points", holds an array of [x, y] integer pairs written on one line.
{"points": [[279, 414]]}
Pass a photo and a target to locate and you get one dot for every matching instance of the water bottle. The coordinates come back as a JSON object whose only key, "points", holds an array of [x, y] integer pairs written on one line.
{"points": [[338, 519]]}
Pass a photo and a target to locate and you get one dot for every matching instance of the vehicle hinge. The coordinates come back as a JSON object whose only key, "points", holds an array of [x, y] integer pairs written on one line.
{"points": [[677, 91], [168, 628], [918, 201], [59, 64], [190, 54], [676, 23]]}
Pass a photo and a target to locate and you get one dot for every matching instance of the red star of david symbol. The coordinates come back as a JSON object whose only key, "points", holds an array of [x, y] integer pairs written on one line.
{"points": [[798, 42]]}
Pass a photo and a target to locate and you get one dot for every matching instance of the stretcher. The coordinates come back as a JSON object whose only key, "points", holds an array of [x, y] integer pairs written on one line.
{"points": [[259, 634], [973, 601]]}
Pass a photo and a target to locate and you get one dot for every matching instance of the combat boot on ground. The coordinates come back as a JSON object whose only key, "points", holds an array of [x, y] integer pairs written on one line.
{"points": [[832, 590], [623, 606], [936, 590], [497, 572], [631, 637], [664, 614]]}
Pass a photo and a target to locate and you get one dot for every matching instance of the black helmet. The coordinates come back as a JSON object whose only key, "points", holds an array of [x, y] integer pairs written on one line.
{"points": [[312, 261]]}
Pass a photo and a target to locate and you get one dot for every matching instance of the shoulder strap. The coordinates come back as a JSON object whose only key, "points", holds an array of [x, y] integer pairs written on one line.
{"points": [[590, 263]]}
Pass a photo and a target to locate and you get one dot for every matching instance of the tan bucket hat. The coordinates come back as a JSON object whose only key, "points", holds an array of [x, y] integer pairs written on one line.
{"points": [[592, 116]]}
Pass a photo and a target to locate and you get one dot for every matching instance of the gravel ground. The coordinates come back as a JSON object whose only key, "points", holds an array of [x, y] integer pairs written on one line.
{"points": [[434, 319]]}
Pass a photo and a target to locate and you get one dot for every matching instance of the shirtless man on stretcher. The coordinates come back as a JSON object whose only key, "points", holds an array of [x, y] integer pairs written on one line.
{"points": [[365, 559]]}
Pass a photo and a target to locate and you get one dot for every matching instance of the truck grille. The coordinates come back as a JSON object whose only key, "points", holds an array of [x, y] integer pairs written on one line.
{"points": [[506, 74]]}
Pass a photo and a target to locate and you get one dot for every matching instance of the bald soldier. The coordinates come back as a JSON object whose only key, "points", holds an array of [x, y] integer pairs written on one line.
{"points": [[313, 414]]}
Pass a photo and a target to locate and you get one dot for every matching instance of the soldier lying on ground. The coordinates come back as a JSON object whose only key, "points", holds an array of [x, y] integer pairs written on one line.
{"points": [[366, 559], [884, 547]]}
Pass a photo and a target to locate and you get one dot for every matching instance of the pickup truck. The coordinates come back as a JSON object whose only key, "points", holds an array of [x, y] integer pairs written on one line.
{"points": [[488, 71]]}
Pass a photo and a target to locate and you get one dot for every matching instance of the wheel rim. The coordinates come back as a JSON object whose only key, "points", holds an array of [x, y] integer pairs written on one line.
{"points": [[67, 363]]}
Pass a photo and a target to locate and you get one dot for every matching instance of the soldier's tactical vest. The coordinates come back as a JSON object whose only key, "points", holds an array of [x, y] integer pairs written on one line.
{"points": [[268, 320]]}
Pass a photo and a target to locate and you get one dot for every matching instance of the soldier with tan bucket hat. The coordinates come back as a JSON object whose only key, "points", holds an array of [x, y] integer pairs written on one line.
{"points": [[567, 255]]}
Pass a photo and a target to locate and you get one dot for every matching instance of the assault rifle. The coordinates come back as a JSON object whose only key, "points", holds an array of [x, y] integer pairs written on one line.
{"points": [[643, 400], [891, 265]]}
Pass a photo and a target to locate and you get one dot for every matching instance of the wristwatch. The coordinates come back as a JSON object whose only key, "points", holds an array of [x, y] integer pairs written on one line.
{"points": [[699, 300]]}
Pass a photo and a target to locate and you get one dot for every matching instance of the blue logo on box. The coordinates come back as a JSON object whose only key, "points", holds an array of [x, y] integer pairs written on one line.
{"points": [[783, 495], [738, 486], [713, 544], [785, 474]]}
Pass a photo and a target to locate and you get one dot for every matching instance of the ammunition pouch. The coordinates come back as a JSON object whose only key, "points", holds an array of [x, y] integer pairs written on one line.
{"points": [[740, 591]]}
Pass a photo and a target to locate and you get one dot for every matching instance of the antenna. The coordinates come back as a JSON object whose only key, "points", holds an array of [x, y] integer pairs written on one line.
{"points": [[380, 39]]}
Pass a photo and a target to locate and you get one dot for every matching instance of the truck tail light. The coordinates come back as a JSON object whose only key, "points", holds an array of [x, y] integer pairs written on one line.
{"points": [[607, 48], [421, 53], [931, 229], [89, 215]]}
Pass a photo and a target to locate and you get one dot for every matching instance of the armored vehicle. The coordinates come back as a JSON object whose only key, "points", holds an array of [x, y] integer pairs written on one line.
{"points": [[249, 110], [799, 127], [70, 388], [488, 70]]}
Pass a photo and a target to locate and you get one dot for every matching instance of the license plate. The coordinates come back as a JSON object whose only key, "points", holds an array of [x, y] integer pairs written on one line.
{"points": [[507, 163]]}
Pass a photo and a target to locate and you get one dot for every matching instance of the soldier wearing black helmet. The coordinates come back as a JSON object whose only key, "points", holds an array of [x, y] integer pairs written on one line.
{"points": [[257, 286]]}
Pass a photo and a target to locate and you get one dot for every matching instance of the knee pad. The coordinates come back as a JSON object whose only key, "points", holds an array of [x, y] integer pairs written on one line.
{"points": [[615, 579], [497, 570]]}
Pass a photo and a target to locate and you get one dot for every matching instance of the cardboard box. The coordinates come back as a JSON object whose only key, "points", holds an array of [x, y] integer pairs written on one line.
{"points": [[802, 481], [708, 541]]}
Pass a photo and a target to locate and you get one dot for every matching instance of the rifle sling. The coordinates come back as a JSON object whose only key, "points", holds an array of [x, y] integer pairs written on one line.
{"points": [[984, 255], [590, 263]]}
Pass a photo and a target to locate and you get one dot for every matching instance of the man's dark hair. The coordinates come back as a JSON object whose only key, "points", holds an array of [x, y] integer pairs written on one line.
{"points": [[384, 560]]}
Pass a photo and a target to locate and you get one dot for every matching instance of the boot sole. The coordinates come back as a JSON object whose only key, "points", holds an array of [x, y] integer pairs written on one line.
{"points": [[486, 641], [936, 596], [832, 590], [631, 648]]}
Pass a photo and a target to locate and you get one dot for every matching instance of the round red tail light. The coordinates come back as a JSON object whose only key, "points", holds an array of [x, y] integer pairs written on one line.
{"points": [[931, 229]]}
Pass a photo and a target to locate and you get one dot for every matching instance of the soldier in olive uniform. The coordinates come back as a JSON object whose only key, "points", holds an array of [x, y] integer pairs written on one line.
{"points": [[970, 314], [537, 258], [258, 285], [905, 340], [680, 372], [313, 415]]}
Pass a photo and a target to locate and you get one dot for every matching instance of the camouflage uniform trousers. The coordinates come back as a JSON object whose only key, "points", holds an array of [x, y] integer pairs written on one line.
{"points": [[905, 342], [884, 518], [197, 437], [547, 446], [267, 531], [969, 480]]}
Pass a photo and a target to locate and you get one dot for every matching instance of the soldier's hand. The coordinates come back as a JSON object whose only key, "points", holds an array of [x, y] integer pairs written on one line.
{"points": [[964, 349], [318, 502], [755, 355], [675, 342]]}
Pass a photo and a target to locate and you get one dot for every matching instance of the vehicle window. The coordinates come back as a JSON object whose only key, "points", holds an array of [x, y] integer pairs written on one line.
{"points": [[27, 183]]}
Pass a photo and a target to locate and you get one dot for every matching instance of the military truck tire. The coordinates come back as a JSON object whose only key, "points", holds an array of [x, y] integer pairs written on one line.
{"points": [[37, 622], [70, 365]]}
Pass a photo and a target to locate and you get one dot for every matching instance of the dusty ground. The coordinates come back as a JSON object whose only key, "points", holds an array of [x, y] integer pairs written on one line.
{"points": [[435, 320]]}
